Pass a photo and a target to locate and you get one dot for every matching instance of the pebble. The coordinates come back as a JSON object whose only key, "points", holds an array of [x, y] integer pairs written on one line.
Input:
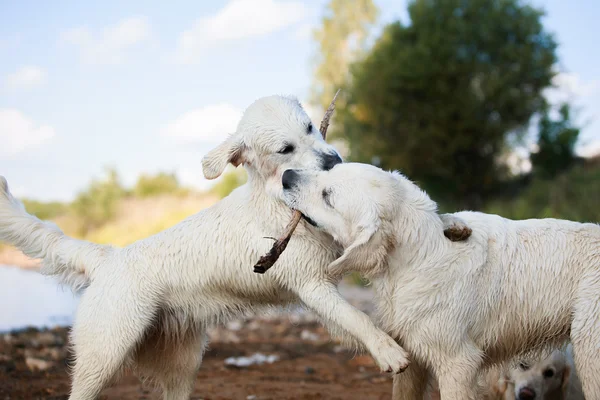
{"points": [[37, 364], [308, 335]]}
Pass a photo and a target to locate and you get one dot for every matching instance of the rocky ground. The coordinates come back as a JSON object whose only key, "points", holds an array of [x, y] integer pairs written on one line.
{"points": [[284, 355]]}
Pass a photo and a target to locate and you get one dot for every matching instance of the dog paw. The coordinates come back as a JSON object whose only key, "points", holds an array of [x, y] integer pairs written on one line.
{"points": [[390, 356]]}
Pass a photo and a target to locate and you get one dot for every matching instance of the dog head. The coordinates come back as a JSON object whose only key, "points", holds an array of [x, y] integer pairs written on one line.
{"points": [[274, 134], [355, 204], [545, 379]]}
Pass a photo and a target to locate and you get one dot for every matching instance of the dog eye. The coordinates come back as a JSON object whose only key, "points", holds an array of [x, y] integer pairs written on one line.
{"points": [[548, 373], [326, 199], [309, 128], [289, 148], [523, 366]]}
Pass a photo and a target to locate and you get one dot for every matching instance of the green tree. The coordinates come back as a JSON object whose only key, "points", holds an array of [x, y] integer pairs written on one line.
{"points": [[439, 97], [341, 39], [153, 185], [571, 195], [98, 203], [556, 144]]}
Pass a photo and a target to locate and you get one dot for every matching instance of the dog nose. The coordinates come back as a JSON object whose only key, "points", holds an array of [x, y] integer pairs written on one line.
{"points": [[526, 394], [289, 178], [330, 161]]}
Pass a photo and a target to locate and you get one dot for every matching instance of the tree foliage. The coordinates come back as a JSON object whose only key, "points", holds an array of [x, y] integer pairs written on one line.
{"points": [[98, 203], [153, 185], [44, 210], [439, 97], [572, 195], [341, 38], [556, 144]]}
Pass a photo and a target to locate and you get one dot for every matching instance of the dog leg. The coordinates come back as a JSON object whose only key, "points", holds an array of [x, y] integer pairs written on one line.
{"points": [[326, 301], [171, 361], [109, 322], [585, 336], [459, 381], [410, 385]]}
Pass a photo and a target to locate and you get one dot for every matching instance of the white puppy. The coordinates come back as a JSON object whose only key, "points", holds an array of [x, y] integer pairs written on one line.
{"points": [[551, 378], [512, 287], [149, 304]]}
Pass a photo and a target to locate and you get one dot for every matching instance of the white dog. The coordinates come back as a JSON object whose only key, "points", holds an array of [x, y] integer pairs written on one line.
{"points": [[551, 378], [512, 287], [539, 377], [149, 304]]}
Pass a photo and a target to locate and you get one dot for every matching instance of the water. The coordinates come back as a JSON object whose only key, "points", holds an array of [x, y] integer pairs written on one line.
{"points": [[29, 299]]}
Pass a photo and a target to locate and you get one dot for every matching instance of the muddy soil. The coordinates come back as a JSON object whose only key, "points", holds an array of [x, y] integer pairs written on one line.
{"points": [[305, 364]]}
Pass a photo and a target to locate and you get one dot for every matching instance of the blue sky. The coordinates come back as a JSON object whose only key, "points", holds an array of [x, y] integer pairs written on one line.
{"points": [[149, 86]]}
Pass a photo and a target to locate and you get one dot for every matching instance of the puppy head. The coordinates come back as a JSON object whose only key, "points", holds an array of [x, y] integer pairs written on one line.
{"points": [[548, 377], [355, 204], [274, 134]]}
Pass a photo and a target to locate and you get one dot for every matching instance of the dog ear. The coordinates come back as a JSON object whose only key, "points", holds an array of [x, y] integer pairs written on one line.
{"points": [[360, 255], [565, 379], [230, 151]]}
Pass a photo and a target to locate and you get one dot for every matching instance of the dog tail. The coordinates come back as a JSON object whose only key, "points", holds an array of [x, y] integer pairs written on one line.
{"points": [[72, 260]]}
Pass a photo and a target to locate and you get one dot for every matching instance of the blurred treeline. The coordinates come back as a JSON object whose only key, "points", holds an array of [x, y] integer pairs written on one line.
{"points": [[452, 98], [106, 211]]}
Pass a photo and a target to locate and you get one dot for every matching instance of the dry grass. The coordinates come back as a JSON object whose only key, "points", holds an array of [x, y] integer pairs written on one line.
{"points": [[136, 219]]}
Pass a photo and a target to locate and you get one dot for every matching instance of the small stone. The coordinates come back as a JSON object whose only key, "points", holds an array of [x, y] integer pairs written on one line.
{"points": [[235, 325], [251, 397], [338, 349], [379, 379], [309, 370], [308, 335], [47, 339], [37, 364], [8, 338]]}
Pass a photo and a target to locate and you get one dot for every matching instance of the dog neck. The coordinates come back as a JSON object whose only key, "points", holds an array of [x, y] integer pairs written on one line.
{"points": [[416, 227], [264, 202], [276, 214]]}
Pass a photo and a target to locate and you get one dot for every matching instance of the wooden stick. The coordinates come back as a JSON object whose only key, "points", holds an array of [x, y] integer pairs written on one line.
{"points": [[267, 261]]}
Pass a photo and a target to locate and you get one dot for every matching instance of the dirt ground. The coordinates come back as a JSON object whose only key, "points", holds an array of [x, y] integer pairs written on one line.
{"points": [[308, 365]]}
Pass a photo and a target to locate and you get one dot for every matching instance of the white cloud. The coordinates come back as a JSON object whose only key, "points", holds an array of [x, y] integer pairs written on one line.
{"points": [[304, 32], [20, 191], [591, 149], [18, 133], [110, 46], [239, 19], [570, 87], [209, 125], [26, 77]]}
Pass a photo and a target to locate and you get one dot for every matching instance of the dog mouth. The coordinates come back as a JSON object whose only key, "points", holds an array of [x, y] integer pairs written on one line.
{"points": [[309, 220]]}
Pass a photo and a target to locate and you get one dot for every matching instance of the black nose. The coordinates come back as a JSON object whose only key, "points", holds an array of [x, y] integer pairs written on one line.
{"points": [[526, 394], [330, 161], [289, 178]]}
